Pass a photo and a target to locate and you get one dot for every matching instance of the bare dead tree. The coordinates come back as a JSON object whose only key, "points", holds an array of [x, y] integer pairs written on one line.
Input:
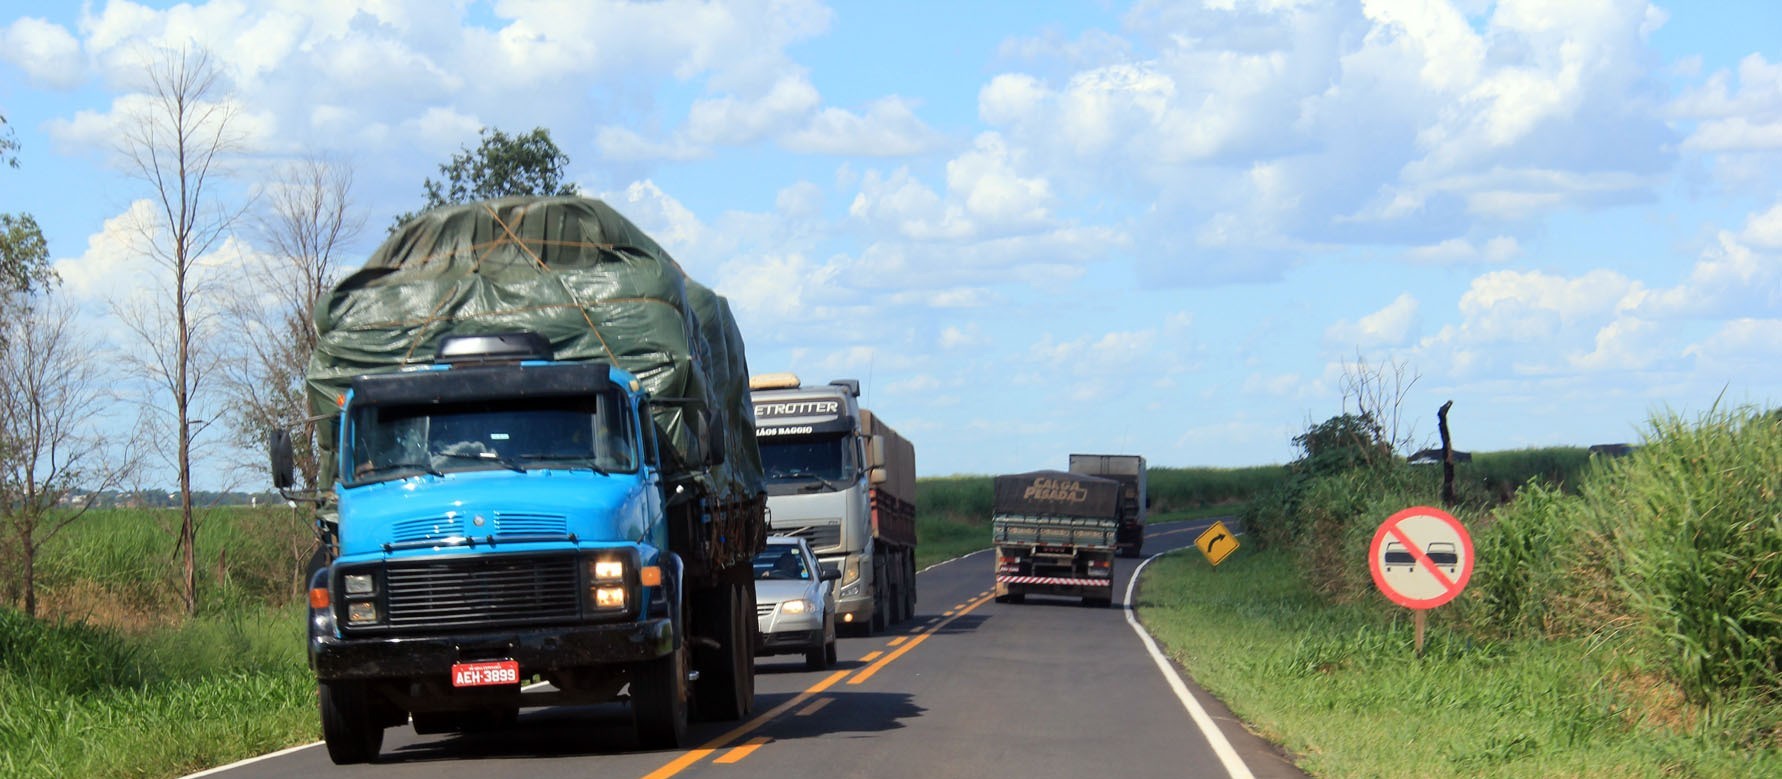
{"points": [[177, 142], [1378, 392], [308, 222], [307, 225], [52, 446]]}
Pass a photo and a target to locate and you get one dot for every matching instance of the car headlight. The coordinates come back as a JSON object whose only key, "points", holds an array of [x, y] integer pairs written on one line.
{"points": [[797, 606]]}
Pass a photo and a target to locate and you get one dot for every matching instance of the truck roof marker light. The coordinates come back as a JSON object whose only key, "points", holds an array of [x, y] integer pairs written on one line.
{"points": [[650, 575], [340, 400], [774, 381], [318, 597]]}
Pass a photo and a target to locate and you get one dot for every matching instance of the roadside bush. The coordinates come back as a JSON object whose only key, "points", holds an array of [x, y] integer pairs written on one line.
{"points": [[1698, 513], [68, 658]]}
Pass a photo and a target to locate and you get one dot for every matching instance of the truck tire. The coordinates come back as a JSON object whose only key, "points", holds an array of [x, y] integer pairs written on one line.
{"points": [[726, 686], [659, 700], [347, 724], [879, 602], [909, 591]]}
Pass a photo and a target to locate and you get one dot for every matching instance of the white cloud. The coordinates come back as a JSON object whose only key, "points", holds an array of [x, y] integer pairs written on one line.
{"points": [[1390, 326], [47, 52], [954, 337], [733, 121], [1764, 230], [888, 128], [1740, 343], [1499, 250]]}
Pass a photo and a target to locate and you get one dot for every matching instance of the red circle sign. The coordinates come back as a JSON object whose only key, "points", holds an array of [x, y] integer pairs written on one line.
{"points": [[1421, 557]]}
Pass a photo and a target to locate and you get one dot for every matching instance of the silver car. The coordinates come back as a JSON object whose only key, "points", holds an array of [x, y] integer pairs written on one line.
{"points": [[795, 602]]}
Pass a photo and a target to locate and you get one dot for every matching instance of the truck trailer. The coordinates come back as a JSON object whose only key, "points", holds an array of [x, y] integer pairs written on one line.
{"points": [[1054, 534], [1129, 470], [845, 481], [541, 465]]}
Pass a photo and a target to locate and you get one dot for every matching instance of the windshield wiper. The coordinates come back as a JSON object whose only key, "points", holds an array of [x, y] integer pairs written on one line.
{"points": [[369, 474], [579, 459], [835, 485], [486, 457]]}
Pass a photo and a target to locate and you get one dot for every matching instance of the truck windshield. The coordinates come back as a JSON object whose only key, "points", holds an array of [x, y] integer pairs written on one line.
{"points": [[820, 463], [590, 432]]}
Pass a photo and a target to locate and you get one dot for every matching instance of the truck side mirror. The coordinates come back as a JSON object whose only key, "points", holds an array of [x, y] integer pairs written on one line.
{"points": [[278, 445], [877, 475], [875, 452]]}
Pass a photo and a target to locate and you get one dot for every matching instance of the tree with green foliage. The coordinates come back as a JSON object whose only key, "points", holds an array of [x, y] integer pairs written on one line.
{"points": [[24, 256], [500, 166]]}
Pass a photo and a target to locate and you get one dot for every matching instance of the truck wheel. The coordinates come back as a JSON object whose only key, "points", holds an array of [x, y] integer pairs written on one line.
{"points": [[659, 700], [726, 686], [829, 653], [346, 722], [909, 590]]}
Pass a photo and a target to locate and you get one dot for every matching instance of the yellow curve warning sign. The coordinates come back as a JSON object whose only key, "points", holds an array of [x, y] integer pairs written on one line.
{"points": [[1217, 543]]}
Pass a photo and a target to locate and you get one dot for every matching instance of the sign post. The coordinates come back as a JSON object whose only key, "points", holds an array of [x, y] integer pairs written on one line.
{"points": [[1421, 558]]}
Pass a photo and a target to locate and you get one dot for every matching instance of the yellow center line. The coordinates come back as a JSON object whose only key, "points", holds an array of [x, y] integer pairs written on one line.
{"points": [[692, 756], [899, 640], [870, 656], [695, 755], [814, 707], [737, 754], [867, 672]]}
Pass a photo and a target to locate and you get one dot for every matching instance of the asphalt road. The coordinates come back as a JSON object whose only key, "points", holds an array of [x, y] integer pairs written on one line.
{"points": [[968, 688]]}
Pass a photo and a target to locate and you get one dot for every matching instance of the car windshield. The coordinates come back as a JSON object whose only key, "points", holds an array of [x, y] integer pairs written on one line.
{"points": [[589, 432], [781, 562]]}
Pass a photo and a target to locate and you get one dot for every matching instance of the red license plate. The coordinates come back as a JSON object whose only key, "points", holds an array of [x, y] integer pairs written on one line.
{"points": [[483, 674]]}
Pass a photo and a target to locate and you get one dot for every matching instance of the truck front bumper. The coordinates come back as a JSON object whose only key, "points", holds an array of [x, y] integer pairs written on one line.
{"points": [[537, 650]]}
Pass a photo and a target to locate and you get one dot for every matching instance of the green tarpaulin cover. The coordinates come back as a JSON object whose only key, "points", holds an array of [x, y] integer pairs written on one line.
{"points": [[571, 269]]}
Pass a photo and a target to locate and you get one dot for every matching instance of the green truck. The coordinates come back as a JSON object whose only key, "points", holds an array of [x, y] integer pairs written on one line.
{"points": [[1055, 533]]}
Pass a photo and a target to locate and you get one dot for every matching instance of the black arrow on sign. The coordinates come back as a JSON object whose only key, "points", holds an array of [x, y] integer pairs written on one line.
{"points": [[1216, 539]]}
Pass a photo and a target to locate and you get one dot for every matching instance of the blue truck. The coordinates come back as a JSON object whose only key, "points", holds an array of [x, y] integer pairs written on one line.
{"points": [[542, 485]]}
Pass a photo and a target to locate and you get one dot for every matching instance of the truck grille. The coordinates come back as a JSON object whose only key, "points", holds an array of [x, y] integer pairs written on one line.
{"points": [[483, 592], [453, 525], [821, 537]]}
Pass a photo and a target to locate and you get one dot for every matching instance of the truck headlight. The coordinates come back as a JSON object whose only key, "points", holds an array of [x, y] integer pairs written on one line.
{"points": [[850, 570], [608, 570], [361, 612], [360, 584], [609, 597]]}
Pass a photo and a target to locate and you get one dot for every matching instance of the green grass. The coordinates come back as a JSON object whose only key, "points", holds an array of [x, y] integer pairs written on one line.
{"points": [[1340, 687], [77, 700]]}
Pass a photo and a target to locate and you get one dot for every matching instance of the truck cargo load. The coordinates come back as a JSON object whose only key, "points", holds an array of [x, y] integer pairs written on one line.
{"points": [[1054, 534], [568, 268], [1129, 470]]}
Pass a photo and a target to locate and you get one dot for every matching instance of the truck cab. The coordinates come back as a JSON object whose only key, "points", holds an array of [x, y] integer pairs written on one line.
{"points": [[502, 517], [843, 482]]}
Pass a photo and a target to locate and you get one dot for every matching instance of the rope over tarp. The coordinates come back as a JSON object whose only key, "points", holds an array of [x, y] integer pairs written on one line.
{"points": [[568, 268]]}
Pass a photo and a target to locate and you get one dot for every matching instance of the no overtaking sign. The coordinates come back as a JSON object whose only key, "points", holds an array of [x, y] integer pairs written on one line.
{"points": [[1421, 557]]}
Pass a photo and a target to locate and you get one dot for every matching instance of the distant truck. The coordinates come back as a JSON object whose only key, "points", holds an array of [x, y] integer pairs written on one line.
{"points": [[541, 463], [1129, 470], [1055, 534], [843, 480]]}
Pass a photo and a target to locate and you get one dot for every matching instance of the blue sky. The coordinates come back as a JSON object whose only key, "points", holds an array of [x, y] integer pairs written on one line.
{"points": [[1039, 228]]}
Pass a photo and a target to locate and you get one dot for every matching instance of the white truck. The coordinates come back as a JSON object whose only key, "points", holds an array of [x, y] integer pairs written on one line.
{"points": [[843, 480]]}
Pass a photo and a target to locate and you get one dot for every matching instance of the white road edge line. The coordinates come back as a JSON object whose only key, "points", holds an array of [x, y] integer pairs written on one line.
{"points": [[1234, 765], [251, 760]]}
